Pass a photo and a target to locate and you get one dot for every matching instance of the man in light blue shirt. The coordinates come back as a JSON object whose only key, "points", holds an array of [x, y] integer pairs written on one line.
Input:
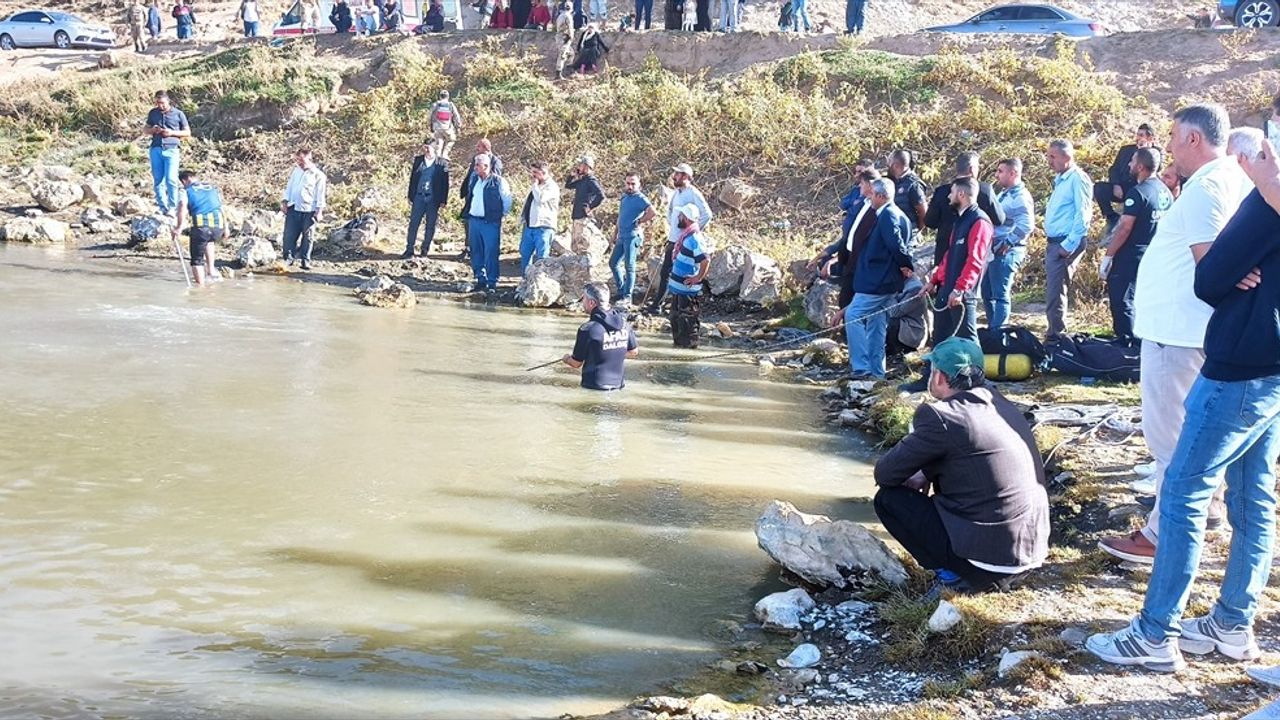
{"points": [[1066, 222], [1009, 248]]}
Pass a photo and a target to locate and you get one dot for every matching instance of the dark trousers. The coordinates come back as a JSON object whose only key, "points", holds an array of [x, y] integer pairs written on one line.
{"points": [[664, 276], [704, 16], [297, 226], [644, 9], [685, 320], [955, 322], [1120, 284], [424, 208], [912, 519], [1104, 195], [854, 13]]}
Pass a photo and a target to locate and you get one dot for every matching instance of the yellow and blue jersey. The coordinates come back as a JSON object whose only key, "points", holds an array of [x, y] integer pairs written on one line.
{"points": [[204, 205]]}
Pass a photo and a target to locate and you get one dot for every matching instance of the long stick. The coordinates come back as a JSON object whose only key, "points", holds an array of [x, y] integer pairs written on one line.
{"points": [[545, 364], [186, 273]]}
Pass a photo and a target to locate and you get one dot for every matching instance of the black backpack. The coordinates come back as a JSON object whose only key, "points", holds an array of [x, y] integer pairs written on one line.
{"points": [[784, 17], [1087, 356], [1012, 340]]}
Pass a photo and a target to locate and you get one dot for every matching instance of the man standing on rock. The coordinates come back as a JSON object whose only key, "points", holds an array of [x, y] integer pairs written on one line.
{"points": [[303, 205], [136, 18], [911, 190], [941, 215], [604, 342], [1066, 223], [1009, 246], [1168, 316], [446, 123], [203, 204], [488, 199], [884, 264], [964, 493], [166, 125], [540, 215], [587, 196], [955, 307], [634, 212], [1144, 205], [428, 192], [1120, 178], [685, 194], [688, 270]]}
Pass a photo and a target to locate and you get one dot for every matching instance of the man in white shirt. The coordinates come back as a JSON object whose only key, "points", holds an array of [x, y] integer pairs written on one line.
{"points": [[303, 205], [1168, 316], [685, 194], [540, 215], [488, 199]]}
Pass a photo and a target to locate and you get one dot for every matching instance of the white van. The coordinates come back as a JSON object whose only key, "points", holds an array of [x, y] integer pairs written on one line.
{"points": [[413, 10]]}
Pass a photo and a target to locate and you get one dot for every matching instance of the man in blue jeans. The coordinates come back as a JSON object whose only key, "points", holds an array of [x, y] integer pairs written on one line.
{"points": [[166, 125], [854, 15], [1009, 248], [634, 211], [540, 215], [883, 267], [488, 199], [1232, 429]]}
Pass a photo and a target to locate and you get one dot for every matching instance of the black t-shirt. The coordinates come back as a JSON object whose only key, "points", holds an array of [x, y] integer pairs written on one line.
{"points": [[1146, 202], [602, 346]]}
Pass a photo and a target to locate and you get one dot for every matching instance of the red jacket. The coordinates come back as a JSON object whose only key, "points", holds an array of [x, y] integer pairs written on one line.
{"points": [[501, 19], [540, 17]]}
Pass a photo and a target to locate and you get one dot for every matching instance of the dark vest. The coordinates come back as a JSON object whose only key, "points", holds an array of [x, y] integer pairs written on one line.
{"points": [[958, 250], [492, 200]]}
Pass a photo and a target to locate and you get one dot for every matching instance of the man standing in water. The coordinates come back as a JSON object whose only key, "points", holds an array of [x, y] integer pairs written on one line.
{"points": [[604, 342], [203, 204]]}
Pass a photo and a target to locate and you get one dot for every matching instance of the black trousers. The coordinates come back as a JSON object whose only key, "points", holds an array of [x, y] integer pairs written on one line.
{"points": [[1121, 281], [1104, 195], [685, 320], [297, 226], [912, 520], [664, 276]]}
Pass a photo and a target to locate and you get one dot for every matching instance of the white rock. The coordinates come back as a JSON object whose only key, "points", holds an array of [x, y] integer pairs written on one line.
{"points": [[55, 172], [133, 205], [1011, 660], [861, 386], [98, 220], [152, 234], [823, 552], [539, 289], [91, 188], [735, 193], [859, 637], [263, 224], [821, 302], [724, 270], [782, 610], [35, 230], [55, 195], [761, 280], [805, 655], [944, 618], [854, 607], [255, 252]]}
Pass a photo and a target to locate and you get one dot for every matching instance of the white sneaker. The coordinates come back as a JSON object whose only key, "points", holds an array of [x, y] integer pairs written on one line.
{"points": [[1145, 469], [1129, 647], [1203, 635], [1143, 486]]}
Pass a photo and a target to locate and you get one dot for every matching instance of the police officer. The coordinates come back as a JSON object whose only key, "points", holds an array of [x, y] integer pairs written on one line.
{"points": [[202, 204], [910, 192], [604, 342], [1144, 204]]}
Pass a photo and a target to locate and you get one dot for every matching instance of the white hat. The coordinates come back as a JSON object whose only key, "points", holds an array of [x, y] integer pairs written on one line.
{"points": [[691, 211], [683, 168]]}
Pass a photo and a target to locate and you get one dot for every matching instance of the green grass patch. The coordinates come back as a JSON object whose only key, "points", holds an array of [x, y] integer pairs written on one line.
{"points": [[911, 644], [891, 415]]}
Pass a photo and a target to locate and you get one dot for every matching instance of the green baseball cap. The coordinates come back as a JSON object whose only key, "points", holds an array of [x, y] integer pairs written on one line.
{"points": [[955, 354]]}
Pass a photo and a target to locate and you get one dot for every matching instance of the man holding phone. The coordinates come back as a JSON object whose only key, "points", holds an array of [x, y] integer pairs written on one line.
{"points": [[166, 125]]}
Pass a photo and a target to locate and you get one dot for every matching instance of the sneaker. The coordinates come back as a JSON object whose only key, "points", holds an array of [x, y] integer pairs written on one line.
{"points": [[407, 255], [1129, 647], [1134, 547], [915, 386], [1203, 635], [1145, 469], [1143, 486], [288, 261], [306, 265]]}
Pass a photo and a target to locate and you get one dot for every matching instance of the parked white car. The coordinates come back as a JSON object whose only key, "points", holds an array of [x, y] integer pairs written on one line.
{"points": [[52, 28]]}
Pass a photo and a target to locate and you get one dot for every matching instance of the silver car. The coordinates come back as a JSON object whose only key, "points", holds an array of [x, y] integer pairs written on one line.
{"points": [[51, 28], [1026, 19]]}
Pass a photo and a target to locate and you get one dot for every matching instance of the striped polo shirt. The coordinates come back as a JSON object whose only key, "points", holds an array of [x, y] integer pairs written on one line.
{"points": [[690, 252]]}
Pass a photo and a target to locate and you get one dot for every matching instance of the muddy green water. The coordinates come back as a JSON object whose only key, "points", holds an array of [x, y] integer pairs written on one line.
{"points": [[267, 501]]}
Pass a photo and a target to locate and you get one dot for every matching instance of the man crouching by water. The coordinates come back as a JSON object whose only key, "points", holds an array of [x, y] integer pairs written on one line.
{"points": [[604, 342], [986, 520]]}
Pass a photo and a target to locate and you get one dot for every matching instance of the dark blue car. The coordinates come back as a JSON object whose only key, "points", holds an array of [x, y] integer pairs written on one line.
{"points": [[1250, 13]]}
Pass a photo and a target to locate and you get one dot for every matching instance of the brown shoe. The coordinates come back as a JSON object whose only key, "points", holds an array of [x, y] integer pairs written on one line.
{"points": [[1134, 547]]}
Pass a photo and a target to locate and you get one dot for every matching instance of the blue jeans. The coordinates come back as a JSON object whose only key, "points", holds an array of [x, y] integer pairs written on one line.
{"points": [[866, 334], [854, 13], [535, 244], [997, 285], [368, 23], [485, 241], [728, 15], [164, 177], [250, 29], [644, 9], [297, 227], [424, 208], [599, 9], [622, 263], [1231, 428], [798, 13]]}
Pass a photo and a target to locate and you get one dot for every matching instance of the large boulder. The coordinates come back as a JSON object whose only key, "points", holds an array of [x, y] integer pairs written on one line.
{"points": [[263, 224], [131, 205], [358, 237], [821, 303], [234, 218], [592, 242], [800, 275], [151, 234], [735, 193], [55, 195], [55, 172], [761, 280], [825, 553], [571, 272], [724, 271], [256, 252], [381, 291], [35, 230], [98, 219], [539, 289]]}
